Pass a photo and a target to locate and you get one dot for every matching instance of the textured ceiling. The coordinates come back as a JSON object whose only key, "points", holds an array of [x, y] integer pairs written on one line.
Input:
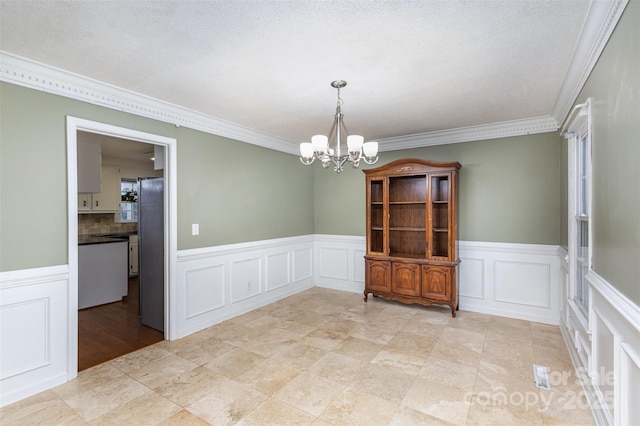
{"points": [[411, 66]]}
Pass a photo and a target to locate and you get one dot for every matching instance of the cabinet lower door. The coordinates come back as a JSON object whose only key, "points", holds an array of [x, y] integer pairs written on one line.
{"points": [[405, 279], [378, 276], [436, 283]]}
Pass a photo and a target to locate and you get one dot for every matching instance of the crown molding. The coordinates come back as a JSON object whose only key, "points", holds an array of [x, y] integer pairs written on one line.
{"points": [[503, 129], [600, 22], [25, 72]]}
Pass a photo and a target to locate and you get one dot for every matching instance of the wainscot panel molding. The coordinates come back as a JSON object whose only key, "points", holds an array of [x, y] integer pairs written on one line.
{"points": [[34, 316], [339, 262], [511, 280], [214, 284], [611, 376]]}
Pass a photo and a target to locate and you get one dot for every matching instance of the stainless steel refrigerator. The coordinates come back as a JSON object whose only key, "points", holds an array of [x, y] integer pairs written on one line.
{"points": [[151, 251]]}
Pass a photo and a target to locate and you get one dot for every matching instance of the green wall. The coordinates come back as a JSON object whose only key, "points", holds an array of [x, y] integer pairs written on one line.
{"points": [[509, 190], [614, 87], [239, 192], [257, 197]]}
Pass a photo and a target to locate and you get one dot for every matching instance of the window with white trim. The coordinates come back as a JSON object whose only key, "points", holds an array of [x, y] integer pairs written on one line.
{"points": [[579, 137]]}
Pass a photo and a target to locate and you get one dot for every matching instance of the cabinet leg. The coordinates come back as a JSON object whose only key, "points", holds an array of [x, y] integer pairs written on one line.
{"points": [[366, 296], [453, 311]]}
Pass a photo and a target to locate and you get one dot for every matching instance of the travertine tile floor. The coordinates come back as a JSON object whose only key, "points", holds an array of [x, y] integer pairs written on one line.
{"points": [[325, 357]]}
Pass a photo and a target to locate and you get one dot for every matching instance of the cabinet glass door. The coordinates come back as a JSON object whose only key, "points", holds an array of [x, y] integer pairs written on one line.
{"points": [[376, 216], [439, 219]]}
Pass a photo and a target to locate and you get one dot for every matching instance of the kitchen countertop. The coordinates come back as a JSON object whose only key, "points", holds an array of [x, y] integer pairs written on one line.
{"points": [[100, 239]]}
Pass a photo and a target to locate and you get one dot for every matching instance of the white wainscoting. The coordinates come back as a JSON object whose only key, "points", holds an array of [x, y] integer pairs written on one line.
{"points": [[614, 370], [339, 262], [217, 283], [34, 321], [512, 280]]}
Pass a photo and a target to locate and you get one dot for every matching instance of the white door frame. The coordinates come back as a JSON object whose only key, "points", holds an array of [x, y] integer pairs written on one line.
{"points": [[171, 225]]}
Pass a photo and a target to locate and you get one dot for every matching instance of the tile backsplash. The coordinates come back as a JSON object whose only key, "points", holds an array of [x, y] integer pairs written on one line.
{"points": [[102, 223]]}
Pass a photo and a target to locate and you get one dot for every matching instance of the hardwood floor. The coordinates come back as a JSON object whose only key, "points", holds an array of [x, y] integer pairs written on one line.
{"points": [[109, 331]]}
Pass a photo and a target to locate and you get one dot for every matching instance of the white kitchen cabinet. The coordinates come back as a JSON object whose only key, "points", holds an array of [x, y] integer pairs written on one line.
{"points": [[133, 255], [84, 202], [89, 154], [108, 199]]}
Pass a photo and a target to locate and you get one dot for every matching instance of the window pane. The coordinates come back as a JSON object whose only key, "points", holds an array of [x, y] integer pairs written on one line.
{"points": [[583, 169]]}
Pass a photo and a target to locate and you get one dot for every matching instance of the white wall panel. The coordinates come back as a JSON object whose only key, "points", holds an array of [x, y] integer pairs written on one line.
{"points": [[339, 262], [34, 321], [358, 266], [522, 283], [513, 280], [471, 281], [302, 264], [245, 278], [629, 385], [33, 315], [277, 270], [334, 263], [204, 290]]}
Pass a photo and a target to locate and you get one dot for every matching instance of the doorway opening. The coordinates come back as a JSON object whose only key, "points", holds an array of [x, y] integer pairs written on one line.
{"points": [[98, 331]]}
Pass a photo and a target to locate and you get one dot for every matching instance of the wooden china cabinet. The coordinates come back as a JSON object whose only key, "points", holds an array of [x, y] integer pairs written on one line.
{"points": [[411, 232]]}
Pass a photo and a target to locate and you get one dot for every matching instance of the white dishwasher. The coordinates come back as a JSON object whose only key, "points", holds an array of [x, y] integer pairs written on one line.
{"points": [[102, 271]]}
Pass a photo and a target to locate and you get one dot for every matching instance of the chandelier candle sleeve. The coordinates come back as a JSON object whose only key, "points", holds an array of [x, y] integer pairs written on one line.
{"points": [[321, 146]]}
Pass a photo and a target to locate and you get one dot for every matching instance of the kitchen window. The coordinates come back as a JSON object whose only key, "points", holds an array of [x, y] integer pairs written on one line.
{"points": [[128, 201]]}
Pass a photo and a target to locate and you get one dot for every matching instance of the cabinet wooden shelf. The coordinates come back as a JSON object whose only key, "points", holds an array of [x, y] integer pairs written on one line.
{"points": [[411, 232]]}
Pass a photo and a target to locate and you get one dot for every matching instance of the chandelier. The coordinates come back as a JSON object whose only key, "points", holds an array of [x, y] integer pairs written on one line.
{"points": [[321, 149]]}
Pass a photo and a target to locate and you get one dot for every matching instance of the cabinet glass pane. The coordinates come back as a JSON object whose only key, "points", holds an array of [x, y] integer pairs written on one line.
{"points": [[376, 243], [411, 244], [407, 189], [440, 244], [440, 188], [440, 216], [377, 216], [376, 191]]}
